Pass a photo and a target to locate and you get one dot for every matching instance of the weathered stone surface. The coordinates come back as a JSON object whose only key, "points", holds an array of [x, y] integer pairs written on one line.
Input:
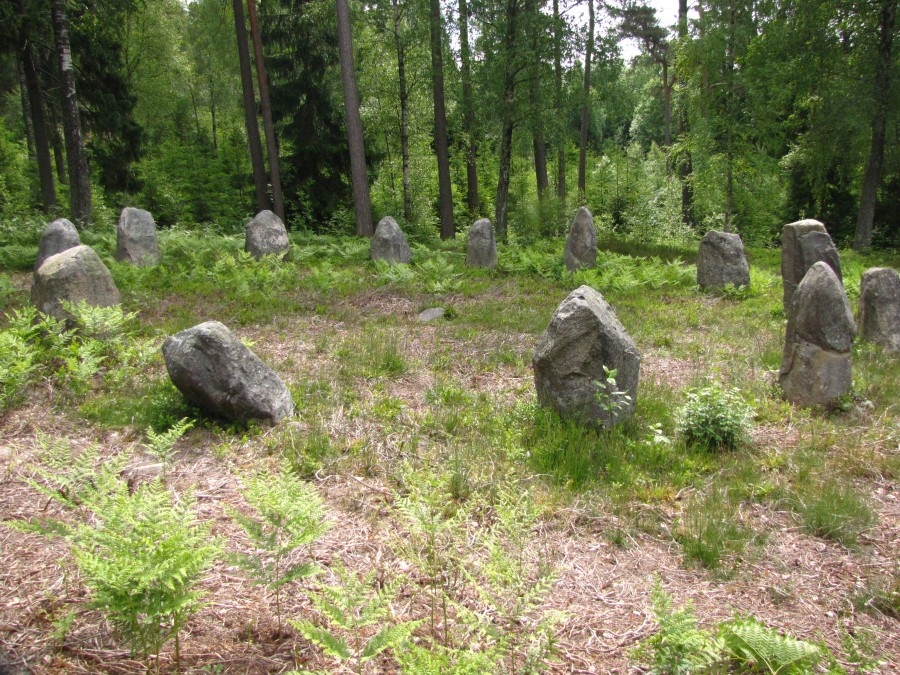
{"points": [[581, 244], [585, 335], [389, 243], [266, 235], [816, 365], [802, 245], [58, 236], [721, 261], [136, 238], [75, 274], [879, 308], [431, 314], [213, 369], [481, 247]]}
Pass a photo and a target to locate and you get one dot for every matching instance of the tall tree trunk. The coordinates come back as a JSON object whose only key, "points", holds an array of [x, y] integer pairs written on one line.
{"points": [[26, 109], [404, 112], [253, 140], [667, 104], [448, 228], [38, 121], [585, 106], [59, 156], [540, 163], [501, 203], [359, 179], [537, 129], [557, 71], [79, 177], [872, 177], [215, 131], [472, 200], [268, 125], [685, 164]]}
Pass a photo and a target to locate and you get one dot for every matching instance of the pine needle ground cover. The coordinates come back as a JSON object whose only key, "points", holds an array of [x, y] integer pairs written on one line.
{"points": [[458, 526]]}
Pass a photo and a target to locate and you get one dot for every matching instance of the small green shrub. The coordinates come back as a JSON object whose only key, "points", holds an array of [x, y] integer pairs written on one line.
{"points": [[752, 646], [714, 418], [711, 528]]}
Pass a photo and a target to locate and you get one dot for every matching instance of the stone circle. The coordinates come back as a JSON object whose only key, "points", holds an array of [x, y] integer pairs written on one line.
{"points": [[136, 238], [389, 243], [581, 244], [76, 274], [57, 237], [879, 308], [721, 261], [266, 235], [481, 247]]}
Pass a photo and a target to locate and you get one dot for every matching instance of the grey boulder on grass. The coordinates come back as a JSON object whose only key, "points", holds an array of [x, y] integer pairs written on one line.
{"points": [[389, 243], [581, 244], [721, 261], [213, 369], [76, 274], [266, 235], [58, 236], [584, 337], [879, 308], [803, 244], [481, 247], [136, 238]]}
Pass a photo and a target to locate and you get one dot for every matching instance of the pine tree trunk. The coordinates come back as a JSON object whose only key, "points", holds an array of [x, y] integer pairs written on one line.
{"points": [[557, 71], [26, 109], [585, 106], [404, 112], [502, 201], [448, 228], [268, 125], [79, 177], [359, 179], [539, 146], [875, 164], [253, 140], [667, 105], [685, 164], [472, 199]]}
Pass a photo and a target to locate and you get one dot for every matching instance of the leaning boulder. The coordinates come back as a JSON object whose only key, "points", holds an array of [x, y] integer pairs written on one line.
{"points": [[58, 236], [267, 235], [136, 238], [581, 244], [481, 247], [815, 368], [389, 243], [879, 308], [803, 244], [76, 274], [215, 371], [583, 337], [721, 261]]}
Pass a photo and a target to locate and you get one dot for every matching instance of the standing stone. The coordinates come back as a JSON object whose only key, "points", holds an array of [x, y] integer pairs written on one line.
{"points": [[585, 335], [58, 236], [803, 244], [815, 368], [215, 371], [879, 308], [136, 238], [267, 235], [581, 244], [389, 243], [75, 274], [481, 248], [721, 261]]}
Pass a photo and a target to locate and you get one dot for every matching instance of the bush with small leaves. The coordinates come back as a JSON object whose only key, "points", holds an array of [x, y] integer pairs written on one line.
{"points": [[714, 418]]}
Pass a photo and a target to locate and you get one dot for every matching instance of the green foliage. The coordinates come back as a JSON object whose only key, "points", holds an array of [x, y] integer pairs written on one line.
{"points": [[17, 366], [161, 444], [288, 514], [610, 399], [831, 509], [714, 418], [711, 528], [753, 646]]}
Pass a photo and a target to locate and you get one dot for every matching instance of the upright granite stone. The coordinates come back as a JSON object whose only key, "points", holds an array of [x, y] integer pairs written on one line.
{"points": [[266, 235], [76, 274], [815, 368], [581, 244], [389, 243], [213, 369], [879, 308], [481, 247], [58, 236], [136, 238], [585, 335], [721, 261], [803, 244]]}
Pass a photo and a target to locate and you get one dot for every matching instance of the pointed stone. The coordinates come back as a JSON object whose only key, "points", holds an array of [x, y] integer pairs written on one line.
{"points": [[266, 235], [803, 245], [58, 236], [721, 261], [76, 274], [581, 244], [136, 238], [481, 247], [879, 308], [389, 243]]}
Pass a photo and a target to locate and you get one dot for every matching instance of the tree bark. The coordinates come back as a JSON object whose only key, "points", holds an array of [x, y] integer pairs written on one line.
{"points": [[685, 164], [359, 179], [79, 177], [472, 199], [268, 125], [26, 109], [501, 203], [38, 120], [557, 70], [667, 104], [254, 142], [448, 228], [404, 113], [875, 164], [585, 106]]}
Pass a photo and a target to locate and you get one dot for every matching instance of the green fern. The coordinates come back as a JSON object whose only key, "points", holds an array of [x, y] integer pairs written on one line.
{"points": [[753, 645]]}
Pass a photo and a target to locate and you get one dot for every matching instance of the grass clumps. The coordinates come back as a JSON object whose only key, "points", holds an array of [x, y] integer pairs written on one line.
{"points": [[711, 529], [714, 418]]}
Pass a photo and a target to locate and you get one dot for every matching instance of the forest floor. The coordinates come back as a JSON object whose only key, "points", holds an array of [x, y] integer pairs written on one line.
{"points": [[504, 531]]}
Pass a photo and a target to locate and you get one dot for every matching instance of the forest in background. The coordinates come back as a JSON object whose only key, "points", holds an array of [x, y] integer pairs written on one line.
{"points": [[745, 115]]}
